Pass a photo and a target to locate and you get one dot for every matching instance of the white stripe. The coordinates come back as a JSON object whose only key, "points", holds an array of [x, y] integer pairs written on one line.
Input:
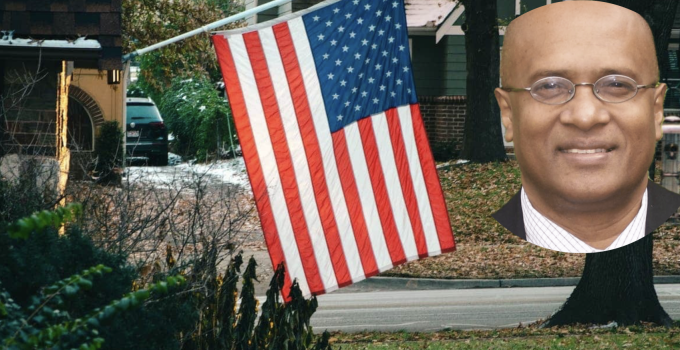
{"points": [[394, 192], [368, 204], [323, 132], [419, 187], [270, 171], [299, 159]]}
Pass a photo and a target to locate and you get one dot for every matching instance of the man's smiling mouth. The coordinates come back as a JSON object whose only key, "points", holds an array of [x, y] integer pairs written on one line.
{"points": [[586, 151]]}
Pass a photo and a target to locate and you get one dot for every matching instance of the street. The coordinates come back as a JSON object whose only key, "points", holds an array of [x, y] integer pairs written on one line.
{"points": [[463, 309]]}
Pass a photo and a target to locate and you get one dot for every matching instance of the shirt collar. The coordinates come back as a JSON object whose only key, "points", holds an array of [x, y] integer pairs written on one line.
{"points": [[543, 232]]}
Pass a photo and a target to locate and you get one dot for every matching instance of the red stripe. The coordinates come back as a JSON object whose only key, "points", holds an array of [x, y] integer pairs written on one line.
{"points": [[380, 192], [283, 160], [349, 187], [434, 189], [253, 166], [404, 171], [313, 151]]}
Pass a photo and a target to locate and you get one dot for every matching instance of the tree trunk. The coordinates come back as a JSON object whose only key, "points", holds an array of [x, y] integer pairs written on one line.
{"points": [[483, 140], [618, 285]]}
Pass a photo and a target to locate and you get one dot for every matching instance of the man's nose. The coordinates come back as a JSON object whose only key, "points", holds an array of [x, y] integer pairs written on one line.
{"points": [[585, 110]]}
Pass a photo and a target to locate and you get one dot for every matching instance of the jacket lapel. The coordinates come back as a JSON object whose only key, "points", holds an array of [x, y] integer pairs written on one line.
{"points": [[661, 204]]}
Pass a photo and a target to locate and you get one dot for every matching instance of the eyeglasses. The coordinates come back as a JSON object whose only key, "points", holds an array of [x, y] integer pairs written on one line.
{"points": [[557, 90]]}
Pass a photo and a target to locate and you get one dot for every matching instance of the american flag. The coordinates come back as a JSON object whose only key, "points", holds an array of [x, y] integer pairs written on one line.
{"points": [[334, 144]]}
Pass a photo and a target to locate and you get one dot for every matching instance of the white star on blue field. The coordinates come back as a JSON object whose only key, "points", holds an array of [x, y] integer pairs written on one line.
{"points": [[362, 58]]}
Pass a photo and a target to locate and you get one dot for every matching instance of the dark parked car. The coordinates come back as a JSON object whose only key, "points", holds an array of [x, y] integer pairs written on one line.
{"points": [[146, 134]]}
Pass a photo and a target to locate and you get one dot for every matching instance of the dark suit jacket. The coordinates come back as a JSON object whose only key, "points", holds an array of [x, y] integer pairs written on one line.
{"points": [[661, 204]]}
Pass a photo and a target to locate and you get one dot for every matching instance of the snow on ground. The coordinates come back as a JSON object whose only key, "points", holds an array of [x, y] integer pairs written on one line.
{"points": [[231, 171]]}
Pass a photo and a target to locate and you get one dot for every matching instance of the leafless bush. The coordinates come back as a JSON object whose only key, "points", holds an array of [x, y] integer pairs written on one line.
{"points": [[27, 184], [188, 215]]}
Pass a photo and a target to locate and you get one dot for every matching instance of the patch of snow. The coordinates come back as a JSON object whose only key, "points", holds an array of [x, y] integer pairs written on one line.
{"points": [[231, 171], [79, 43], [173, 159]]}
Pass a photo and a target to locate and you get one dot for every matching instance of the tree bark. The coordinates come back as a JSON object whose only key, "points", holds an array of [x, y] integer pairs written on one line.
{"points": [[618, 285], [483, 139]]}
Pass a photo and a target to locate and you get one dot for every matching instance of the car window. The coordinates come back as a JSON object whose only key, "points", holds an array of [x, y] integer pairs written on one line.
{"points": [[142, 113]]}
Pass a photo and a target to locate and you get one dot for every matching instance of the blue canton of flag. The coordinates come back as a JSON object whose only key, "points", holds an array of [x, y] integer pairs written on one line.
{"points": [[362, 58]]}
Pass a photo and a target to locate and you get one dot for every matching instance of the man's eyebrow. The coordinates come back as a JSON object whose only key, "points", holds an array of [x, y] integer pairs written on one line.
{"points": [[549, 73], [566, 74]]}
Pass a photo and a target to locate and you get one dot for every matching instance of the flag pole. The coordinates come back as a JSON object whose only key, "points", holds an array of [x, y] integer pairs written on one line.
{"points": [[206, 28]]}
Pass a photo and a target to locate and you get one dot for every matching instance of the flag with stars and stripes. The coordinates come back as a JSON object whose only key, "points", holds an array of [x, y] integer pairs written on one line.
{"points": [[334, 143]]}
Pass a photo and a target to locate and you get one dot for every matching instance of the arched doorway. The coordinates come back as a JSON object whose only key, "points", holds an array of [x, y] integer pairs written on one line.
{"points": [[80, 128], [84, 115]]}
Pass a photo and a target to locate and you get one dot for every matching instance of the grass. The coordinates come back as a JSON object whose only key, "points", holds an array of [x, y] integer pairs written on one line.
{"points": [[485, 249], [576, 337]]}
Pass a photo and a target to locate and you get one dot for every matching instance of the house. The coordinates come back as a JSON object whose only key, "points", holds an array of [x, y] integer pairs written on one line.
{"points": [[42, 39], [437, 43]]}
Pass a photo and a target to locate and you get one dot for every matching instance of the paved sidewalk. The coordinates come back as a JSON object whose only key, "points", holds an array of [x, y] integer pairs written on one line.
{"points": [[396, 283]]}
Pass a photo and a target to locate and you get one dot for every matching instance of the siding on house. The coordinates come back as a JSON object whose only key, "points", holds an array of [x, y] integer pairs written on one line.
{"points": [[427, 61], [293, 6], [439, 68], [455, 73], [528, 5], [303, 4]]}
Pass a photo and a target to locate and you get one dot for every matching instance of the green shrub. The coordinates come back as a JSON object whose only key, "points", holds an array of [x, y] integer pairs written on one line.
{"points": [[445, 150], [48, 315], [280, 326], [109, 153], [27, 265], [136, 90], [202, 314], [198, 117]]}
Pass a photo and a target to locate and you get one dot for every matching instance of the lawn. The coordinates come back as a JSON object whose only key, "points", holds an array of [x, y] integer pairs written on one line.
{"points": [[577, 337], [485, 249]]}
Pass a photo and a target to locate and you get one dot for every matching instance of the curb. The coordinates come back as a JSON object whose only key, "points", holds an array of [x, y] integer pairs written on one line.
{"points": [[399, 283]]}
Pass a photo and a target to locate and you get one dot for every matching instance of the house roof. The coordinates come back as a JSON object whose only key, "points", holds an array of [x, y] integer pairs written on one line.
{"points": [[48, 22], [427, 13]]}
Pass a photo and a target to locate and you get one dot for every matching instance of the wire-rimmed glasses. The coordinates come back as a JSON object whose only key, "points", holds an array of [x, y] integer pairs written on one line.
{"points": [[557, 90]]}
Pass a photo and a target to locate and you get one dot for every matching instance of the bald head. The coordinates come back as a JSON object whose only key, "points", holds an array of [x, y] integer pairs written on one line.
{"points": [[573, 28]]}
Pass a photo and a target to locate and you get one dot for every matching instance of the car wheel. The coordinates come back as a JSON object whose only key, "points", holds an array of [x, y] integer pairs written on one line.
{"points": [[161, 160]]}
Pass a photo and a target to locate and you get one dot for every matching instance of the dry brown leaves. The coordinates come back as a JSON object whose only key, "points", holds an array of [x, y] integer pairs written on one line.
{"points": [[485, 249]]}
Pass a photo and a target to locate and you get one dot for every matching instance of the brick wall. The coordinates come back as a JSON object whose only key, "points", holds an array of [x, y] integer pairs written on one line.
{"points": [[444, 118]]}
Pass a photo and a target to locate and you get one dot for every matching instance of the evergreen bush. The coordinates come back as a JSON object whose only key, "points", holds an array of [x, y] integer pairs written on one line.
{"points": [[44, 311], [198, 117], [136, 90], [201, 315], [444, 151], [109, 153]]}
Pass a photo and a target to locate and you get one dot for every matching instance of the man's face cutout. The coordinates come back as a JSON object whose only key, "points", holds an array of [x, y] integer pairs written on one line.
{"points": [[581, 41]]}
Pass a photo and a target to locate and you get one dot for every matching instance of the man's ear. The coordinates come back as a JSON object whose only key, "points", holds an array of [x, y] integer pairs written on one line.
{"points": [[503, 99], [659, 95]]}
